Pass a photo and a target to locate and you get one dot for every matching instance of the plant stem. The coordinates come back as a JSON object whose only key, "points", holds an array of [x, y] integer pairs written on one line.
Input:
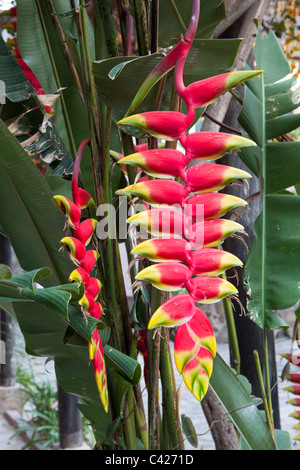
{"points": [[141, 27], [263, 393], [129, 421], [108, 248], [267, 374], [108, 27], [170, 409], [232, 334]]}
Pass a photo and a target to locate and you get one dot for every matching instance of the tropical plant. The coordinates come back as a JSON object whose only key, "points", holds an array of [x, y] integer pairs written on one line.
{"points": [[82, 83]]}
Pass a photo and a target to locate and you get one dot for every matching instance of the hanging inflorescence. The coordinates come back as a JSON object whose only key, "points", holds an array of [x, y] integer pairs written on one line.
{"points": [[294, 389], [85, 261], [184, 220]]}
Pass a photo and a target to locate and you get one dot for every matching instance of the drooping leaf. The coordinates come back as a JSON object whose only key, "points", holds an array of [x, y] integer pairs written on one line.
{"points": [[240, 406], [272, 271]]}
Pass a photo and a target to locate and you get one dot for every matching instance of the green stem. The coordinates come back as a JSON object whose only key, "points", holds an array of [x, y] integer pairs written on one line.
{"points": [[141, 26], [267, 374], [170, 409], [57, 80], [263, 393], [232, 334], [129, 421], [108, 27], [108, 247]]}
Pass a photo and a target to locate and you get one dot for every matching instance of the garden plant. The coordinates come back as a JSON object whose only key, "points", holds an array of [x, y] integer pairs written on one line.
{"points": [[107, 175]]}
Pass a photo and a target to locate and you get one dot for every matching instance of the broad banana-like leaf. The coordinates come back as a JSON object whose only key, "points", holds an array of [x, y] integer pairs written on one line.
{"points": [[36, 16], [272, 271], [240, 406], [123, 80]]}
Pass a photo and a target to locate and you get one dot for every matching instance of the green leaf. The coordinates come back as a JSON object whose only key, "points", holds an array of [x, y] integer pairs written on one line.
{"points": [[5, 272], [121, 81], [35, 52], [174, 18], [240, 406], [17, 87], [127, 367], [189, 430], [272, 270]]}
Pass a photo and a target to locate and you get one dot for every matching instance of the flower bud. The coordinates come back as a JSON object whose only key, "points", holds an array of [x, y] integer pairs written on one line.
{"points": [[208, 290], [162, 221], [72, 211], [211, 232], [167, 125], [85, 230], [212, 261], [157, 192], [206, 91], [159, 163], [175, 311], [208, 178], [75, 248], [166, 276], [214, 205], [212, 145]]}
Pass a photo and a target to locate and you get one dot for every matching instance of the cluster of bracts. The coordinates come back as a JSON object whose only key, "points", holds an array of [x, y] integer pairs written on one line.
{"points": [[294, 389], [183, 214], [85, 261]]}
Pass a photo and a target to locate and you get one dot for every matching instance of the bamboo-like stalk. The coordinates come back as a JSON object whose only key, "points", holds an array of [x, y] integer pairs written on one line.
{"points": [[129, 421], [170, 409], [108, 27], [141, 27], [263, 393]]}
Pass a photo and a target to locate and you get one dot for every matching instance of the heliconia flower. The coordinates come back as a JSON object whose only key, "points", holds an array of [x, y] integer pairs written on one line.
{"points": [[295, 389], [292, 358], [175, 311], [75, 248], [100, 374], [87, 303], [209, 290], [197, 372], [117, 156], [294, 377], [166, 276], [97, 310], [200, 330], [159, 163], [214, 231], [204, 92], [163, 249], [89, 261], [295, 414], [94, 287], [85, 230], [72, 211], [157, 192], [163, 221], [79, 275], [81, 197], [185, 348], [296, 426], [93, 345], [214, 205], [212, 261], [85, 199], [294, 401], [211, 177], [167, 125], [212, 145]]}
